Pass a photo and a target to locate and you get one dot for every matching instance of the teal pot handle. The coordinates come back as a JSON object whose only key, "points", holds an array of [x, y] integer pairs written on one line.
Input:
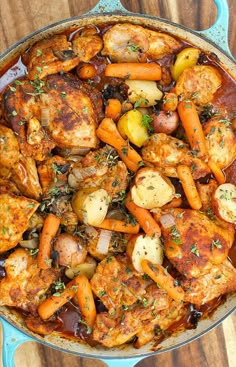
{"points": [[13, 338], [217, 33]]}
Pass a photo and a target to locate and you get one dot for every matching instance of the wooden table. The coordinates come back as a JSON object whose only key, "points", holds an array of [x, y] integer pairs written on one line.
{"points": [[18, 18]]}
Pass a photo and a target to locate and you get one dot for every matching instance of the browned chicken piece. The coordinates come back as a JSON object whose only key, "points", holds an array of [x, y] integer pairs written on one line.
{"points": [[25, 285], [16, 212], [220, 142], [117, 284], [132, 43], [199, 82], [195, 242], [166, 152], [151, 316], [218, 281], [86, 44], [51, 56], [100, 168], [9, 148], [53, 173], [5, 172], [25, 176], [205, 192], [7, 185], [72, 118], [23, 109]]}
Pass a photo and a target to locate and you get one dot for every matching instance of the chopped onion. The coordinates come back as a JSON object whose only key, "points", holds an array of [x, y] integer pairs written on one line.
{"points": [[91, 231], [104, 242], [45, 116], [82, 173], [31, 244], [167, 220]]}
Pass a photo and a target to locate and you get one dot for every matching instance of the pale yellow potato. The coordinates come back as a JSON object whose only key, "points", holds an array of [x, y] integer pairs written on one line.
{"points": [[91, 205], [152, 189], [130, 126], [142, 247], [143, 92], [224, 202], [185, 58]]}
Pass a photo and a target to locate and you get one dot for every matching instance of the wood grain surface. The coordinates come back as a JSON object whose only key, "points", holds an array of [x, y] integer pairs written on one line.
{"points": [[18, 18]]}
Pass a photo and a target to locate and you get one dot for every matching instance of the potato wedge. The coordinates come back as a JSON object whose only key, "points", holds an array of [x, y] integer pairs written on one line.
{"points": [[142, 247], [143, 92], [224, 202], [91, 205], [185, 58], [152, 189], [130, 126]]}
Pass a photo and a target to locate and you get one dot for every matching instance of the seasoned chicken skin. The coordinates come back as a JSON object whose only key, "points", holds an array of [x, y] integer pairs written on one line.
{"points": [[16, 212], [116, 283], [195, 242], [219, 280], [50, 56], [133, 43], [166, 152], [100, 168], [220, 142], [200, 81], [25, 285], [87, 44], [9, 148]]}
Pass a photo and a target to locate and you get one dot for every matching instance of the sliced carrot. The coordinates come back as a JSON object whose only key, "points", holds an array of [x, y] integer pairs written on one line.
{"points": [[170, 102], [140, 71], [85, 300], [175, 203], [49, 231], [160, 276], [87, 71], [219, 175], [192, 126], [108, 133], [190, 189], [119, 226], [144, 218], [113, 109], [54, 302]]}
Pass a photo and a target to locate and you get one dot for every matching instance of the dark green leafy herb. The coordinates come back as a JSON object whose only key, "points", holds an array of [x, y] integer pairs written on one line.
{"points": [[194, 249]]}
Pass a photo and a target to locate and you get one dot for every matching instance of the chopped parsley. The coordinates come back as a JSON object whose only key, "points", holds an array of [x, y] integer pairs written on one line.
{"points": [[194, 249], [216, 243]]}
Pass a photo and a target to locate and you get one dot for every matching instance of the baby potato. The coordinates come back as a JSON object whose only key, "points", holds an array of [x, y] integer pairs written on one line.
{"points": [[165, 122], [185, 58], [152, 189], [130, 126], [224, 202], [91, 205], [143, 92], [142, 247], [70, 249]]}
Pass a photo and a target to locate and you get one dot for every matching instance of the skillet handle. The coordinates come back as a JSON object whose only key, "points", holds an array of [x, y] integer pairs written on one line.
{"points": [[131, 362], [218, 32], [12, 338], [108, 6]]}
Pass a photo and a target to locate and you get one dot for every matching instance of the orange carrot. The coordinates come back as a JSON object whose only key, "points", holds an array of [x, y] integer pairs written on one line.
{"points": [[174, 203], [49, 231], [159, 275], [108, 133], [87, 71], [219, 175], [119, 226], [85, 300], [113, 109], [54, 302], [170, 102], [144, 218], [192, 126], [190, 190], [130, 70]]}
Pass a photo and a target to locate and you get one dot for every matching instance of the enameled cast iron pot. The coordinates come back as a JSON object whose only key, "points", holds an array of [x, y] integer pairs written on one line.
{"points": [[14, 332]]}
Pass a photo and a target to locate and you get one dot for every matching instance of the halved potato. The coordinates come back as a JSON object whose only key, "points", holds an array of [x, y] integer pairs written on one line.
{"points": [[142, 247], [152, 189], [143, 92], [91, 205], [185, 58], [130, 126], [224, 202]]}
